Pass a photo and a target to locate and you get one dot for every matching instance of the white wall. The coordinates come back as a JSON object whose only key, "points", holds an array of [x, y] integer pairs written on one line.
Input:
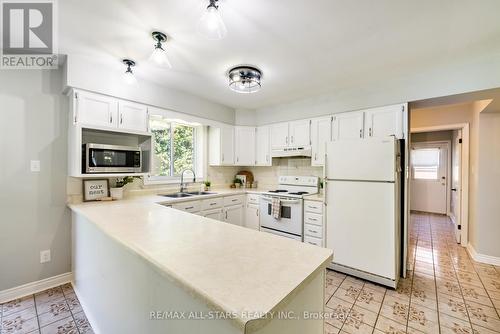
{"points": [[34, 217]]}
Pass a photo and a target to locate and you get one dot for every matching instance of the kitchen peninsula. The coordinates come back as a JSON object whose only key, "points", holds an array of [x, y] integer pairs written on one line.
{"points": [[158, 270]]}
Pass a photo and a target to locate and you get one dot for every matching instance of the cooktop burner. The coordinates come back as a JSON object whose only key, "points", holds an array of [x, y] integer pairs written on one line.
{"points": [[299, 193], [278, 191]]}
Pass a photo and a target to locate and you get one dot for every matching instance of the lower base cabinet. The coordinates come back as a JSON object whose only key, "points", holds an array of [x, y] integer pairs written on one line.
{"points": [[252, 216], [214, 214], [234, 214]]}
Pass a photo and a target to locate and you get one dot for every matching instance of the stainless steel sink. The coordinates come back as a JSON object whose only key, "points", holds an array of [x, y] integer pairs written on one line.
{"points": [[177, 195], [195, 193]]}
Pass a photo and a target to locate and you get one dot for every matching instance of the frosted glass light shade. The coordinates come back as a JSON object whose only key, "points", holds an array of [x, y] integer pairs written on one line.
{"points": [[129, 78], [160, 58], [211, 24]]}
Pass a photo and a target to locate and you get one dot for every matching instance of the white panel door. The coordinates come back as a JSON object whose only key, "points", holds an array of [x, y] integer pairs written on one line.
{"points": [[361, 227], [279, 135], [456, 182], [227, 145], [214, 214], [368, 160], [321, 133], [300, 133], [252, 216], [348, 126], [384, 121], [234, 215], [263, 146], [132, 116], [245, 146], [429, 167], [97, 110]]}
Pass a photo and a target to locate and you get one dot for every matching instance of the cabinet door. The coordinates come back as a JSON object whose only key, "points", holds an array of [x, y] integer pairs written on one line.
{"points": [[97, 110], [348, 126], [279, 135], [263, 147], [132, 116], [252, 217], [300, 133], [227, 145], [321, 133], [214, 214], [245, 146], [234, 215], [385, 121]]}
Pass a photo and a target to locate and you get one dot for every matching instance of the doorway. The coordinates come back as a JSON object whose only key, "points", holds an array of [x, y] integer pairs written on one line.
{"points": [[429, 162]]}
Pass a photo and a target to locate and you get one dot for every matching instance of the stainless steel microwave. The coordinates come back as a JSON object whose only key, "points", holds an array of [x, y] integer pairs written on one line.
{"points": [[99, 158]]}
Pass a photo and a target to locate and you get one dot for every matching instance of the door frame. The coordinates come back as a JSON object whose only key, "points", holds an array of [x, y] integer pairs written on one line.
{"points": [[464, 198], [447, 143]]}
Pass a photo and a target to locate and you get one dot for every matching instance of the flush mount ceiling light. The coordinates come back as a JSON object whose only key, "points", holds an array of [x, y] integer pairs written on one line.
{"points": [[245, 79], [129, 76], [211, 25], [159, 55]]}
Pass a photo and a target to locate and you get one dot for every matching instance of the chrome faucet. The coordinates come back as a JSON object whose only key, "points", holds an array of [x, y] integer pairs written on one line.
{"points": [[183, 186]]}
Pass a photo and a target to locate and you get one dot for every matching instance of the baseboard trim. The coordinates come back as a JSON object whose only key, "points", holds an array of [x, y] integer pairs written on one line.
{"points": [[34, 287], [481, 257]]}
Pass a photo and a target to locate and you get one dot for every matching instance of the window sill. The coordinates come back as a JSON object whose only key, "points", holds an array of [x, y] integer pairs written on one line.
{"points": [[158, 180]]}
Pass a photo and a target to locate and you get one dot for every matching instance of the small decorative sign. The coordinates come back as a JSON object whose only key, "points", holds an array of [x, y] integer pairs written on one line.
{"points": [[95, 190]]}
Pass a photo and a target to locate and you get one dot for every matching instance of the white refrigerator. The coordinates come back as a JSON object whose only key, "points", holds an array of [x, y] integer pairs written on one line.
{"points": [[362, 198]]}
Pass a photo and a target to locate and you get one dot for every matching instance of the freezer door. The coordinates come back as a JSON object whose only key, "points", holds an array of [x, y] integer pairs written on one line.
{"points": [[367, 159], [362, 227]]}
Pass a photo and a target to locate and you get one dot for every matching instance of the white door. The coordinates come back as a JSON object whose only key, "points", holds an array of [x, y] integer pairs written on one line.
{"points": [[456, 178], [384, 121], [97, 110], [263, 147], [348, 126], [279, 135], [429, 177], [214, 214], [252, 216], [321, 133], [227, 145], [132, 116], [361, 226], [300, 133], [234, 214], [245, 146]]}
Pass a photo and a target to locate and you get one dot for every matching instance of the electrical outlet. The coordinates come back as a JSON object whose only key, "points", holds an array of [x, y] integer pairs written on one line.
{"points": [[35, 165], [45, 256]]}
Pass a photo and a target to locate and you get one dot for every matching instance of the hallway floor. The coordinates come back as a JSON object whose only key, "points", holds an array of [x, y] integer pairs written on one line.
{"points": [[445, 290]]}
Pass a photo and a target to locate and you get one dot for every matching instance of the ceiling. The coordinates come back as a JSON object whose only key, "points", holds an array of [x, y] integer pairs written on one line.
{"points": [[304, 48]]}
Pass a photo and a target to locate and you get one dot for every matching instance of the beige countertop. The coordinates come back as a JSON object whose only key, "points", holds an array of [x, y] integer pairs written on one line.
{"points": [[231, 268], [315, 197]]}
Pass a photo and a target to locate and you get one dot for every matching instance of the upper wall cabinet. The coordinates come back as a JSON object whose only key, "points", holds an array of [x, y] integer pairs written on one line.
{"points": [[279, 135], [348, 125], [385, 121], [263, 146], [95, 109], [221, 146], [321, 133], [101, 111], [244, 146], [133, 116], [300, 133]]}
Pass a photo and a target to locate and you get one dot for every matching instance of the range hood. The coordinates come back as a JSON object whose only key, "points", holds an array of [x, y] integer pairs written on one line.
{"points": [[292, 152]]}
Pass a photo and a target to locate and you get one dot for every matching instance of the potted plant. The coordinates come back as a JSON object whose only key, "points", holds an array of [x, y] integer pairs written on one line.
{"points": [[207, 185], [237, 183], [117, 191]]}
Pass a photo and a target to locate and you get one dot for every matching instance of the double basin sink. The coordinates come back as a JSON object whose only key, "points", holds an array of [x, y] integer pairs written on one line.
{"points": [[188, 194]]}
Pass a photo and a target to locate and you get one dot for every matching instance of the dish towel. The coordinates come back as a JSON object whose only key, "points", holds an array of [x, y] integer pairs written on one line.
{"points": [[276, 208]]}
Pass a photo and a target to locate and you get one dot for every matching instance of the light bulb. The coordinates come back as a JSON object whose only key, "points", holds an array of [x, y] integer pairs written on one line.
{"points": [[211, 25], [129, 77], [159, 56]]}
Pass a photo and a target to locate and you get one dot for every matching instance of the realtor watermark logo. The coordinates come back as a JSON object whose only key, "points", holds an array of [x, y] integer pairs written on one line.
{"points": [[28, 34]]}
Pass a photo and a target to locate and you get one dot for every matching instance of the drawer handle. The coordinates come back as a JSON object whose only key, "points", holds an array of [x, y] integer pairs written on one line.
{"points": [[313, 219], [234, 200], [312, 243], [189, 207], [213, 203], [312, 231]]}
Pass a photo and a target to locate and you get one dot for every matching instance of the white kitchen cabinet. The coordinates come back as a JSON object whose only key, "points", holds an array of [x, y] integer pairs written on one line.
{"points": [[244, 146], [385, 121], [263, 146], [300, 133], [221, 146], [321, 133], [252, 216], [132, 116], [234, 214], [279, 135], [95, 110], [213, 214], [348, 126]]}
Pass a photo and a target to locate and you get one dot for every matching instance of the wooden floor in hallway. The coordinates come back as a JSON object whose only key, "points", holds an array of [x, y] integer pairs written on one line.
{"points": [[445, 290]]}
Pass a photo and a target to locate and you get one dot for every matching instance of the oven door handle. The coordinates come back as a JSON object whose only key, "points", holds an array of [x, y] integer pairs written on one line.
{"points": [[288, 201]]}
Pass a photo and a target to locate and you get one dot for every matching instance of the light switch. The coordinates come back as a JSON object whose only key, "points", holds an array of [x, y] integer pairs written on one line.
{"points": [[35, 165]]}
